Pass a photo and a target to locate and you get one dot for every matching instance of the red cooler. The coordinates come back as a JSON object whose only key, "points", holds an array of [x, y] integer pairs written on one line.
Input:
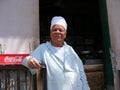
{"points": [[14, 76]]}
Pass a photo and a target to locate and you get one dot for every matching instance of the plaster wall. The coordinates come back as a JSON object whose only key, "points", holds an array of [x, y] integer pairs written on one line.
{"points": [[113, 7], [19, 26]]}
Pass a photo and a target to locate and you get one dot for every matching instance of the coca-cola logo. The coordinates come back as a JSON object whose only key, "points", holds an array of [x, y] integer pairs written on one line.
{"points": [[13, 59]]}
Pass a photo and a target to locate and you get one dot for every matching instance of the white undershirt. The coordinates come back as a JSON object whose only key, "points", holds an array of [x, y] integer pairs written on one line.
{"points": [[59, 52]]}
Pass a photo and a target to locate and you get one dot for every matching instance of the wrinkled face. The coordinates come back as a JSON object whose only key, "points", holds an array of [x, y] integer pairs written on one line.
{"points": [[57, 34]]}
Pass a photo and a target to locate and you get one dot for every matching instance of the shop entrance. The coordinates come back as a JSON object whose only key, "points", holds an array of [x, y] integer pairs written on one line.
{"points": [[84, 33]]}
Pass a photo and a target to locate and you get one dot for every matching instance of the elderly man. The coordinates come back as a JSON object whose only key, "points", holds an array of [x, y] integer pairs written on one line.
{"points": [[64, 68]]}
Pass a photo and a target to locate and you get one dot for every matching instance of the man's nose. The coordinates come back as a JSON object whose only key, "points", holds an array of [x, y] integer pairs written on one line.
{"points": [[57, 30]]}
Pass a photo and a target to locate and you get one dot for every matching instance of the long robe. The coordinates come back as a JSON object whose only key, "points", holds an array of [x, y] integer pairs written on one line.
{"points": [[67, 74]]}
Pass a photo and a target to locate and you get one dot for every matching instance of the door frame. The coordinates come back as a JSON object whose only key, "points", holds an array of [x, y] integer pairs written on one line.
{"points": [[109, 81]]}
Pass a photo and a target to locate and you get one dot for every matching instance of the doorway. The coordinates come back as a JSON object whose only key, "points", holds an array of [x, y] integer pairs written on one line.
{"points": [[84, 33]]}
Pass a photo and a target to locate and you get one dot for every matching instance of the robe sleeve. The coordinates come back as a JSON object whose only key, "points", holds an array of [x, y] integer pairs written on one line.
{"points": [[83, 78], [37, 55], [24, 62]]}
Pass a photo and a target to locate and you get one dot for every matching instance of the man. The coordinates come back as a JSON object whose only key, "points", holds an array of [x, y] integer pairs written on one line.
{"points": [[64, 68]]}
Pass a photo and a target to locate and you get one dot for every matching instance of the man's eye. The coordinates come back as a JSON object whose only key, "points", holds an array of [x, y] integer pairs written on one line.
{"points": [[56, 30]]}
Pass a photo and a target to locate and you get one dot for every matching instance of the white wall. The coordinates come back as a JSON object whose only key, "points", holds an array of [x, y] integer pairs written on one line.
{"points": [[113, 7], [19, 25], [114, 24]]}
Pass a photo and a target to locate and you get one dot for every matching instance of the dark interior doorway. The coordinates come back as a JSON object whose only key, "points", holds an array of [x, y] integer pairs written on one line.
{"points": [[84, 33], [84, 30]]}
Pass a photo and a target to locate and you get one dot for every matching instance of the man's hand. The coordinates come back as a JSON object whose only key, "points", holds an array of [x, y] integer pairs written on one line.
{"points": [[33, 63]]}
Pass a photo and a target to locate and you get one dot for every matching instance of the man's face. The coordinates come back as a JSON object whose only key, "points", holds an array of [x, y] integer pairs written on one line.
{"points": [[58, 34]]}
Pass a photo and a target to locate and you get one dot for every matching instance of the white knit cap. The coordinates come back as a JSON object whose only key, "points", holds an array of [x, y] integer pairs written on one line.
{"points": [[58, 20]]}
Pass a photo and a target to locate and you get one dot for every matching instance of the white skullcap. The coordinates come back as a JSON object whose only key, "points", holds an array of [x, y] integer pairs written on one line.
{"points": [[58, 20]]}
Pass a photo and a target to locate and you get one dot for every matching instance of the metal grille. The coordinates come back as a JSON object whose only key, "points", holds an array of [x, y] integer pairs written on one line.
{"points": [[15, 78]]}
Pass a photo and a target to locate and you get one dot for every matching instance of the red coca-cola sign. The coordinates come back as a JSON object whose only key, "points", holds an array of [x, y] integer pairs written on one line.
{"points": [[11, 59]]}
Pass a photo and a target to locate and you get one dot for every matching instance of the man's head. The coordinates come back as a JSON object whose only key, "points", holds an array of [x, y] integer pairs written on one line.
{"points": [[58, 30]]}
